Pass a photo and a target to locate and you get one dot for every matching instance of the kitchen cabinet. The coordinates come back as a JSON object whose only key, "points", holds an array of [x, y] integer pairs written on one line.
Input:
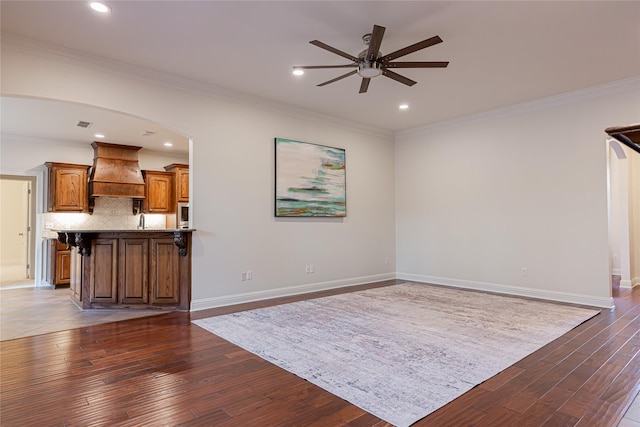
{"points": [[131, 269], [158, 192], [63, 265], [103, 279], [164, 273], [119, 271], [68, 187], [59, 263], [181, 180]]}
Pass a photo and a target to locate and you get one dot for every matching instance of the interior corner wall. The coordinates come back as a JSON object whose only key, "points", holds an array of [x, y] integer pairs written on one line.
{"points": [[232, 177], [483, 199]]}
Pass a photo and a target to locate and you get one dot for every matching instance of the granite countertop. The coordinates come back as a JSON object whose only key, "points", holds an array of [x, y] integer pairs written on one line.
{"points": [[146, 230]]}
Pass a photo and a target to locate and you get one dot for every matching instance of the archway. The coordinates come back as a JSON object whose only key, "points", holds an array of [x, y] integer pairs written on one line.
{"points": [[618, 198], [31, 125]]}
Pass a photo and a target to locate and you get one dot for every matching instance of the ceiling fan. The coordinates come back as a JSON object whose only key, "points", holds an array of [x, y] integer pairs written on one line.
{"points": [[371, 63]]}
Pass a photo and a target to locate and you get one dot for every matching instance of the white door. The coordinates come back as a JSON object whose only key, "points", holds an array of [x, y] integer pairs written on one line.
{"points": [[14, 230]]}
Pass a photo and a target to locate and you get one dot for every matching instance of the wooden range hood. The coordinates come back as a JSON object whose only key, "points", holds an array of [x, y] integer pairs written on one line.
{"points": [[116, 171]]}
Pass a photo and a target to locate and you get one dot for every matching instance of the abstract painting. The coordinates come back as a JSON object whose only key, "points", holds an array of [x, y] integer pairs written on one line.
{"points": [[310, 180]]}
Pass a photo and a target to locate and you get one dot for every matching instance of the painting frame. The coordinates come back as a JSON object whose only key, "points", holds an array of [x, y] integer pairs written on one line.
{"points": [[310, 180]]}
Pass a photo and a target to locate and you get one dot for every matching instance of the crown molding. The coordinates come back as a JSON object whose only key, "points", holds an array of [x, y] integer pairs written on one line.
{"points": [[98, 63], [625, 85]]}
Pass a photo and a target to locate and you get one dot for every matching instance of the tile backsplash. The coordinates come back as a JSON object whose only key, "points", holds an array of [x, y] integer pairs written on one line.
{"points": [[109, 213]]}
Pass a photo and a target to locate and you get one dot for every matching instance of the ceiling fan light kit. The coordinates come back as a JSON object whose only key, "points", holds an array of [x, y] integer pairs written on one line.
{"points": [[371, 63], [368, 70]]}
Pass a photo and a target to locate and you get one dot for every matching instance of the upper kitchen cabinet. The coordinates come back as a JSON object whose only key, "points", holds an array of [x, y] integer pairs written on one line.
{"points": [[158, 194], [67, 187], [181, 180]]}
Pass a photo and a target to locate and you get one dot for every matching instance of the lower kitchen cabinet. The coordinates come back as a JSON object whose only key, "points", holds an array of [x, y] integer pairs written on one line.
{"points": [[58, 263], [63, 266], [121, 267], [137, 269], [104, 271], [134, 271], [164, 274]]}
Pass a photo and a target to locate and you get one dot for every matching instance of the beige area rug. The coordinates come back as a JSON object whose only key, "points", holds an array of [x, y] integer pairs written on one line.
{"points": [[399, 352]]}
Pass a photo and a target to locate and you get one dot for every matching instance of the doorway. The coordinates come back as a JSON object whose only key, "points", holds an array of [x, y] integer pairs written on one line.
{"points": [[619, 226], [17, 226]]}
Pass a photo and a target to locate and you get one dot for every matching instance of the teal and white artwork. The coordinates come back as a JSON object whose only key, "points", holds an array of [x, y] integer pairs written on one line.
{"points": [[310, 179]]}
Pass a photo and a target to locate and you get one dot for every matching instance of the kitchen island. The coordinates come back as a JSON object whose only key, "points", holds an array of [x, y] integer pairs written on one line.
{"points": [[137, 269]]}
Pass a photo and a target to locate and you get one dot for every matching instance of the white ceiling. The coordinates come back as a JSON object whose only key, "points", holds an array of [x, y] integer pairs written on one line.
{"points": [[501, 52], [44, 120]]}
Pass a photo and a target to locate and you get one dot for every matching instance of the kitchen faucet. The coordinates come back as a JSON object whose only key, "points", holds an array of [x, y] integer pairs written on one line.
{"points": [[141, 223]]}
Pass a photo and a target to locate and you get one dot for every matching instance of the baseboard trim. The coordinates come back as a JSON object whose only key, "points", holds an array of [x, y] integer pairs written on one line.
{"points": [[626, 284], [511, 290], [205, 303]]}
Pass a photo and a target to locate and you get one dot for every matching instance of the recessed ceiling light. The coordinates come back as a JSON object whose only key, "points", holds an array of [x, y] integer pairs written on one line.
{"points": [[298, 72], [403, 106], [99, 7], [99, 135], [168, 144]]}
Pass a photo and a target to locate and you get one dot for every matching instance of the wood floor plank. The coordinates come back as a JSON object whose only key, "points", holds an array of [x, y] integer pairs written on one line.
{"points": [[163, 370]]}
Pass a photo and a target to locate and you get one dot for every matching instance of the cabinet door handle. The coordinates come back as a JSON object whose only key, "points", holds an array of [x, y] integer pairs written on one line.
{"points": [[20, 234]]}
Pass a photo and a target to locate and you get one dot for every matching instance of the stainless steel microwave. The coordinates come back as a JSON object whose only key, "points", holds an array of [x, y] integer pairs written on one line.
{"points": [[183, 215]]}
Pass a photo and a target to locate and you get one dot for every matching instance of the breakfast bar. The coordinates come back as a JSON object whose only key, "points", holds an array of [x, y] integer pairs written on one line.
{"points": [[134, 269]]}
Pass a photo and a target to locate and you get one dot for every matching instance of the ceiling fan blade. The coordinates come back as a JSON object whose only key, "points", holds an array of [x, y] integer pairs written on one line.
{"points": [[410, 49], [375, 42], [397, 77], [333, 50], [351, 73], [417, 64], [313, 67], [364, 85]]}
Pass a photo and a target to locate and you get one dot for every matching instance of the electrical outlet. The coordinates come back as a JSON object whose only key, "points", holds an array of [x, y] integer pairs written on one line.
{"points": [[307, 269], [524, 271], [48, 225], [386, 260], [312, 269], [249, 275], [243, 276]]}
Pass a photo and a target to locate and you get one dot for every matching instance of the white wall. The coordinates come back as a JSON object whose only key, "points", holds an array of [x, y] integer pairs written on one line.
{"points": [[232, 177], [480, 199]]}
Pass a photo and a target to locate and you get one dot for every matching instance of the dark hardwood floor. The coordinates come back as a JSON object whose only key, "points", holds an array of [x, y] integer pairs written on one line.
{"points": [[164, 371]]}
